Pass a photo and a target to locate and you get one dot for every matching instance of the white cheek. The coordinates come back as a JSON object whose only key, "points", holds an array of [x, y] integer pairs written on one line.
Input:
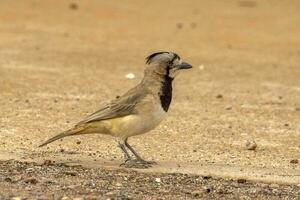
{"points": [[173, 73]]}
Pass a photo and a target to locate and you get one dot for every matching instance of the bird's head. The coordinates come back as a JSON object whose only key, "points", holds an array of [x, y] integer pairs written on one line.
{"points": [[166, 63]]}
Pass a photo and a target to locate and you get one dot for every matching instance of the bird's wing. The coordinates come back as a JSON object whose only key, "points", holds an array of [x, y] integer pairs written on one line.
{"points": [[122, 106]]}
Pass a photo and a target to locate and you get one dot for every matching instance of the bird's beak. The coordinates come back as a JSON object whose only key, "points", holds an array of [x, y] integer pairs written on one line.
{"points": [[184, 65]]}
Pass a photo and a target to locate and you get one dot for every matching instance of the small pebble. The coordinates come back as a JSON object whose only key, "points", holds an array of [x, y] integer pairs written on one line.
{"points": [[71, 173], [201, 67], [65, 198], [294, 161], [73, 6], [130, 76], [158, 180], [219, 96], [77, 198], [193, 25], [7, 179], [179, 25], [207, 189], [206, 177], [251, 145], [196, 193], [31, 180], [228, 107], [17, 198], [241, 180], [118, 184]]}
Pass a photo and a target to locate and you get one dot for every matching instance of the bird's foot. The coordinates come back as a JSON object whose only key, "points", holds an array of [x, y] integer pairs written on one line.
{"points": [[140, 164], [148, 162]]}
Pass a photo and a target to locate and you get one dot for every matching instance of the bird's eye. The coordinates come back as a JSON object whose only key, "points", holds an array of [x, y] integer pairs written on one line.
{"points": [[170, 63]]}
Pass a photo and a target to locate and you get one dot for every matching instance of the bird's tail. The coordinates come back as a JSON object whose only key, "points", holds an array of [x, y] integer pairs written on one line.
{"points": [[70, 132]]}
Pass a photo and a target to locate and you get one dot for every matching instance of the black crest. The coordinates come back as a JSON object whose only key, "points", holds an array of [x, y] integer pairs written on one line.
{"points": [[149, 58]]}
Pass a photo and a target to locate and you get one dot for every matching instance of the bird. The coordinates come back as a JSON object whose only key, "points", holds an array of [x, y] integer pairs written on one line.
{"points": [[137, 111]]}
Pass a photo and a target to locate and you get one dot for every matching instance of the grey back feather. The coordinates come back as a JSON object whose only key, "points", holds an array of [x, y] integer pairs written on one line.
{"points": [[122, 106]]}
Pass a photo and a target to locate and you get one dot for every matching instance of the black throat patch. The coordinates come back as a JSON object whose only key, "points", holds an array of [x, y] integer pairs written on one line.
{"points": [[166, 92]]}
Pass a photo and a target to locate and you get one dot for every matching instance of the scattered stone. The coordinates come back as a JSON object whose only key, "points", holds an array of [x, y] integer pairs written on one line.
{"points": [[241, 180], [197, 193], [274, 185], [42, 198], [110, 193], [207, 189], [206, 177], [92, 197], [70, 173], [73, 6], [29, 170], [130, 76], [201, 67], [17, 198], [247, 3], [78, 198], [286, 124], [294, 161], [31, 180], [92, 184], [193, 25], [72, 187], [65, 198], [179, 25], [7, 179], [119, 184], [228, 107], [158, 180], [251, 145], [47, 162], [219, 96], [49, 181], [78, 142]]}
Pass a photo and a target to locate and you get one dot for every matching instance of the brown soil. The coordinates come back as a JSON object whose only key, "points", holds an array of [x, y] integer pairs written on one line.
{"points": [[61, 59]]}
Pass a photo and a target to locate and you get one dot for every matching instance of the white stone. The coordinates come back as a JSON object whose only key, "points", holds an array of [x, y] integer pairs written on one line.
{"points": [[130, 76]]}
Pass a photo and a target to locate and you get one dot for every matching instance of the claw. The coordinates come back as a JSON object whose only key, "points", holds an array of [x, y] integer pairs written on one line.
{"points": [[140, 164], [148, 162]]}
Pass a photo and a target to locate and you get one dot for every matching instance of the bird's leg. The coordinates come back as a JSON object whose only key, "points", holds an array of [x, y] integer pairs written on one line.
{"points": [[138, 157], [129, 162], [126, 154]]}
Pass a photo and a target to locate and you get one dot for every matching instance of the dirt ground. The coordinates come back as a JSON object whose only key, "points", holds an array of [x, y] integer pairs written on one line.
{"points": [[61, 59]]}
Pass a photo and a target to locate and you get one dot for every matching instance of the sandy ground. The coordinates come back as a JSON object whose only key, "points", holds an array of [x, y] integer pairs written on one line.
{"points": [[61, 59]]}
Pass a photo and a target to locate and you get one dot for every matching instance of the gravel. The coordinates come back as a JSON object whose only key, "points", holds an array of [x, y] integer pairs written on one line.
{"points": [[24, 180]]}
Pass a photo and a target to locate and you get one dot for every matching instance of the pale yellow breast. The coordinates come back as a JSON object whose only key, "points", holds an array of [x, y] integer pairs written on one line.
{"points": [[137, 123]]}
